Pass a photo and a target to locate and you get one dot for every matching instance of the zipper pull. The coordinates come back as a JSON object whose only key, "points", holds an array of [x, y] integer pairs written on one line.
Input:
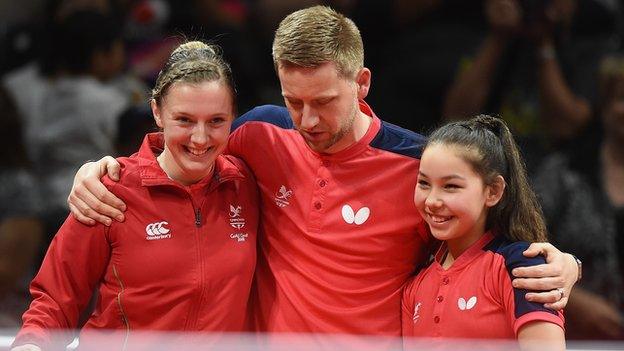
{"points": [[197, 218]]}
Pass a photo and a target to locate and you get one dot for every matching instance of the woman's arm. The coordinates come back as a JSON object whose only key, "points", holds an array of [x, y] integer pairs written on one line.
{"points": [[74, 264]]}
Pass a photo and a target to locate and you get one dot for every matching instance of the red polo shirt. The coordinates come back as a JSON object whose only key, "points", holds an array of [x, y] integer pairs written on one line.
{"points": [[473, 298], [339, 233]]}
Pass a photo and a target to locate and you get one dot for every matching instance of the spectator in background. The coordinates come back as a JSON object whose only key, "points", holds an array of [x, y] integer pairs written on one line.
{"points": [[414, 46], [80, 107], [32, 57], [582, 194], [536, 67], [21, 230]]}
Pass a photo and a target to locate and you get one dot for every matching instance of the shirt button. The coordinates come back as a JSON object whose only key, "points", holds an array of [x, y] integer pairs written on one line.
{"points": [[445, 280], [322, 183], [436, 319], [317, 205], [440, 298]]}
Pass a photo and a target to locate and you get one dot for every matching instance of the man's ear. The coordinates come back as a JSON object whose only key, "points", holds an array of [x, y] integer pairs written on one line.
{"points": [[495, 191], [156, 113], [363, 81]]}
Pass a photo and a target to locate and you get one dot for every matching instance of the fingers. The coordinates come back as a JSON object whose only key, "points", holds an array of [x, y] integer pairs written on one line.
{"points": [[545, 270], [544, 284], [79, 216], [100, 199], [551, 296], [110, 166], [544, 249], [557, 306], [96, 202], [85, 214]]}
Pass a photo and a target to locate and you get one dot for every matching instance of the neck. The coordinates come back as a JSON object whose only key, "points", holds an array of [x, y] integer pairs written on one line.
{"points": [[459, 245], [447, 260], [360, 125], [172, 170]]}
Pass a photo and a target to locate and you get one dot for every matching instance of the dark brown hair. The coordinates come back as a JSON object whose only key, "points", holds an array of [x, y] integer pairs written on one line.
{"points": [[488, 146]]}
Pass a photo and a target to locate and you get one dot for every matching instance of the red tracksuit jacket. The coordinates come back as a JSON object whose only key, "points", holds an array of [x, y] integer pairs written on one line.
{"points": [[183, 259]]}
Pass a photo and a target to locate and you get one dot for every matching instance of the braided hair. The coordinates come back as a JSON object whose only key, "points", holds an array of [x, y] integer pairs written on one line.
{"points": [[193, 62]]}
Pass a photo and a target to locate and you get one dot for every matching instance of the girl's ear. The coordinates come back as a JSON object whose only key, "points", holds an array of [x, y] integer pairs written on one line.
{"points": [[495, 191]]}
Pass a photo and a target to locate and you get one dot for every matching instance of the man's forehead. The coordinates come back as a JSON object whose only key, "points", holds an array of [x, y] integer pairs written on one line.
{"points": [[287, 66]]}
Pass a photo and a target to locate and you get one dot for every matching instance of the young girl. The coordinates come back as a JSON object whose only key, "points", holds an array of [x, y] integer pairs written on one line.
{"points": [[473, 193]]}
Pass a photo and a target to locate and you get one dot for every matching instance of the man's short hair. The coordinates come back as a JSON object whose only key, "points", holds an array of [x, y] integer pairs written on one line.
{"points": [[316, 35]]}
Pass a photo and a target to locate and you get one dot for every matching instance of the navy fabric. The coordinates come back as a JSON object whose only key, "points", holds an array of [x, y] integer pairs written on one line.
{"points": [[512, 254], [273, 114], [399, 140], [389, 138]]}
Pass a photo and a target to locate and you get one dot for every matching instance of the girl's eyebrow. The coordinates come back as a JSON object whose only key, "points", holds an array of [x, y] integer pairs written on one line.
{"points": [[448, 177]]}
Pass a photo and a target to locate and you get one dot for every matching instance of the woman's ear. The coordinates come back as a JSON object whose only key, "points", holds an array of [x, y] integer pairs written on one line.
{"points": [[495, 191], [156, 113]]}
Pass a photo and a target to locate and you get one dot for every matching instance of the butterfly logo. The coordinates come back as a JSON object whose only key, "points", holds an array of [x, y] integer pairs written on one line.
{"points": [[352, 217], [466, 305]]}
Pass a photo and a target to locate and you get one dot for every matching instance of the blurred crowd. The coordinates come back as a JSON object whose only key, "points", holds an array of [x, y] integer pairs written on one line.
{"points": [[74, 77]]}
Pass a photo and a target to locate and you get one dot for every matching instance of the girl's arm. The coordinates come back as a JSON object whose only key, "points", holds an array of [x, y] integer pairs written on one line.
{"points": [[541, 335], [536, 327]]}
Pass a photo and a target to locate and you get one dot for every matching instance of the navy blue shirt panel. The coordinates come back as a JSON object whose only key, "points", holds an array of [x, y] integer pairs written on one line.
{"points": [[395, 139], [276, 115], [389, 138], [512, 253]]}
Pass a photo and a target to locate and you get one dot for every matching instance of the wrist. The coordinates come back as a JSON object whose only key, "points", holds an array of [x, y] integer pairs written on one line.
{"points": [[579, 265]]}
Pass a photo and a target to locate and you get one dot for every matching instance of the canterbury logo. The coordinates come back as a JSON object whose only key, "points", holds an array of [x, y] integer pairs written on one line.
{"points": [[466, 305], [157, 231], [282, 195], [351, 217]]}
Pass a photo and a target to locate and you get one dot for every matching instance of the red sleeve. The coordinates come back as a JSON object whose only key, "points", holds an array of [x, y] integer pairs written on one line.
{"points": [[71, 269], [235, 144], [530, 312]]}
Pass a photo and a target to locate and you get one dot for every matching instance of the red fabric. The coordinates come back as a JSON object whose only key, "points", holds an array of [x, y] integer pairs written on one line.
{"points": [[321, 269], [444, 299], [179, 276]]}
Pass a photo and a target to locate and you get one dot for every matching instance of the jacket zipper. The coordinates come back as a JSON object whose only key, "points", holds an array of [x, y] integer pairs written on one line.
{"points": [[123, 313], [192, 323], [197, 218]]}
